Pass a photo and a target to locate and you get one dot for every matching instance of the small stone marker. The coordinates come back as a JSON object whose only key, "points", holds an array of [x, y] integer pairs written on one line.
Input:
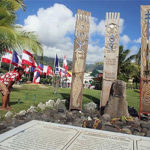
{"points": [[50, 136], [111, 52], [79, 58], [117, 105]]}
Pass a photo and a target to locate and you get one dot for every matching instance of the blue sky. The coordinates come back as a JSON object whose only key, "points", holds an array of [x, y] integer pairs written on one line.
{"points": [[53, 21]]}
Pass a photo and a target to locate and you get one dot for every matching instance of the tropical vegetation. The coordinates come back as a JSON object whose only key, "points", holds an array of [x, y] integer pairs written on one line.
{"points": [[13, 36], [129, 66]]}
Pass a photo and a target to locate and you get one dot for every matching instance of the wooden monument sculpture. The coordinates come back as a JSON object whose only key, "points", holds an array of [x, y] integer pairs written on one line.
{"points": [[79, 58], [111, 53], [145, 61]]}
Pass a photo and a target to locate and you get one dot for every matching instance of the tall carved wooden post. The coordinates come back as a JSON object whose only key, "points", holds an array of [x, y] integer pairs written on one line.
{"points": [[79, 58], [111, 52], [145, 60]]}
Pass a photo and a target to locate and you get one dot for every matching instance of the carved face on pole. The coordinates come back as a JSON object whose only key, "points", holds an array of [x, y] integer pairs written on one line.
{"points": [[79, 57]]}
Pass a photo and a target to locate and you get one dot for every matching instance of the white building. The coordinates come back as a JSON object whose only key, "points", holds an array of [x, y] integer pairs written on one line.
{"points": [[87, 77]]}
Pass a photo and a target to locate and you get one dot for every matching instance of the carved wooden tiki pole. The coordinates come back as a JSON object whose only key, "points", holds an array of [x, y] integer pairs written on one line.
{"points": [[145, 60], [111, 53], [79, 58]]}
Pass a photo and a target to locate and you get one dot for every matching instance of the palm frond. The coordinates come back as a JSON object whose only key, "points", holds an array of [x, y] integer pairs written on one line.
{"points": [[29, 40], [6, 18], [7, 35], [12, 5]]}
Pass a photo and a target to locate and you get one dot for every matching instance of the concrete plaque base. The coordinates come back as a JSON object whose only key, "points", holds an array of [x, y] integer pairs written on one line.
{"points": [[38, 135]]}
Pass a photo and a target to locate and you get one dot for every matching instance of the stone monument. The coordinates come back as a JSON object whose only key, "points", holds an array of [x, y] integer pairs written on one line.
{"points": [[111, 53], [145, 60], [79, 58], [117, 105]]}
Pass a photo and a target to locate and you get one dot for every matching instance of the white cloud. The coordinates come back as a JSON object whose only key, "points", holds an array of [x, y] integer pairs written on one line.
{"points": [[137, 40], [55, 28], [121, 25], [124, 40], [100, 27], [95, 53], [51, 24], [134, 49]]}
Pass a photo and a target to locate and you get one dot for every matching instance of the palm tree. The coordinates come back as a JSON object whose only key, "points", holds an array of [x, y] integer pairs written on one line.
{"points": [[12, 36], [124, 64], [136, 71], [138, 57]]}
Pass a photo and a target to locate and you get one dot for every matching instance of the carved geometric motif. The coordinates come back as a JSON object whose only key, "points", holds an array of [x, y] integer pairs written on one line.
{"points": [[79, 58], [146, 94], [111, 53], [145, 59]]}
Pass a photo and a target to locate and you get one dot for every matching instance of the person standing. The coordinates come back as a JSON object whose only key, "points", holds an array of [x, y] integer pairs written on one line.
{"points": [[6, 82]]}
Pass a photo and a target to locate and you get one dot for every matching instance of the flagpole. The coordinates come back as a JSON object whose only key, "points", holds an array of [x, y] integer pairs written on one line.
{"points": [[29, 76], [11, 61], [61, 80], [54, 73], [53, 78], [29, 73], [0, 62], [9, 66], [1, 59], [54, 63]]}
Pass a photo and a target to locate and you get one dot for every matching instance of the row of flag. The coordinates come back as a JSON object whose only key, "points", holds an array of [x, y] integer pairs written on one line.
{"points": [[31, 66], [13, 58], [62, 71]]}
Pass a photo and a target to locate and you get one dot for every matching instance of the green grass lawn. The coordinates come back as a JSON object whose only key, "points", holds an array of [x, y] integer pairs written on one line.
{"points": [[23, 96]]}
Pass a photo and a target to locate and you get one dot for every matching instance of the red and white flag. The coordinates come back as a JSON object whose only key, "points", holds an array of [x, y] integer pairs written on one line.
{"points": [[65, 65], [36, 78], [47, 70], [27, 70], [7, 57], [27, 58]]}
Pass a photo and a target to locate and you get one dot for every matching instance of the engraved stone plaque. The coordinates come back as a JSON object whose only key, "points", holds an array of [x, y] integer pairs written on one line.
{"points": [[79, 58], [96, 141], [39, 135], [111, 53], [145, 60], [142, 144]]}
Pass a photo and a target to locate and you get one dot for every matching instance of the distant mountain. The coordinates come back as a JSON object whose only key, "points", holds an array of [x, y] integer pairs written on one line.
{"points": [[50, 61], [96, 70], [90, 67]]}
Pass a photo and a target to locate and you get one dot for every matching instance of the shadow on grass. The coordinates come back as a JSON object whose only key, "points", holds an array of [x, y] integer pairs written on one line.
{"points": [[67, 97], [13, 103], [137, 91], [92, 98], [15, 89]]}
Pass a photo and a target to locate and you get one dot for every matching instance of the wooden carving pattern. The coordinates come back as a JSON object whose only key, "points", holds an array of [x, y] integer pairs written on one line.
{"points": [[110, 54], [145, 59], [79, 58]]}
